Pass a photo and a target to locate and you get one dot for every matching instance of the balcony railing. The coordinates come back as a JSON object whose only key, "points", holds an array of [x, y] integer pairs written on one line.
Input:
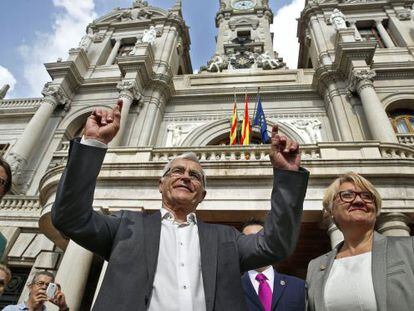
{"points": [[20, 103], [407, 139]]}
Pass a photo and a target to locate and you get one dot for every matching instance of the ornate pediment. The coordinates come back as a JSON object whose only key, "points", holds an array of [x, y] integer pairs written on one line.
{"points": [[134, 14], [244, 22]]}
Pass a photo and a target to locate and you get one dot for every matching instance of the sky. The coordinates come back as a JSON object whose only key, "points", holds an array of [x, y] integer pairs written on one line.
{"points": [[34, 32]]}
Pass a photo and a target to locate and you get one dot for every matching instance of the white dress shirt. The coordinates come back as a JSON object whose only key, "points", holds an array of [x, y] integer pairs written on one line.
{"points": [[270, 275], [178, 283], [349, 285]]}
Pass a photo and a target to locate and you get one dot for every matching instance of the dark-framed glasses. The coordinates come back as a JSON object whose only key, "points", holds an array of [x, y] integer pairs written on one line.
{"points": [[3, 182], [41, 284], [349, 196], [180, 171]]}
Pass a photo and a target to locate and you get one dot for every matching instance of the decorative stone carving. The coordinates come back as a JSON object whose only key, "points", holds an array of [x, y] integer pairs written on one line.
{"points": [[358, 1], [86, 40], [55, 96], [125, 16], [308, 129], [129, 88], [338, 19], [150, 35], [140, 3], [241, 60], [16, 162], [217, 63], [98, 37], [176, 133], [266, 62], [361, 75]]}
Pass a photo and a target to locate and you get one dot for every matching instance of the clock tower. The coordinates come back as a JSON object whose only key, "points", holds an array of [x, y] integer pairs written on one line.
{"points": [[244, 39]]}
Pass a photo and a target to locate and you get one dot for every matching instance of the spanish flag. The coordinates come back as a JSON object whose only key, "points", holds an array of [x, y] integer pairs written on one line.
{"points": [[233, 129], [245, 130]]}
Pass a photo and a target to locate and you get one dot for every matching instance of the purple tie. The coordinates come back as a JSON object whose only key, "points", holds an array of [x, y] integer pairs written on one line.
{"points": [[265, 293]]}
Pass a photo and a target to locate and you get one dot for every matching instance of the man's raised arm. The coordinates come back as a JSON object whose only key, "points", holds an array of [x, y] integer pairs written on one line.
{"points": [[282, 226], [72, 211]]}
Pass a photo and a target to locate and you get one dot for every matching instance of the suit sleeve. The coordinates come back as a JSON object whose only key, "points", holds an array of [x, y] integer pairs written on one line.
{"points": [[282, 226], [72, 211]]}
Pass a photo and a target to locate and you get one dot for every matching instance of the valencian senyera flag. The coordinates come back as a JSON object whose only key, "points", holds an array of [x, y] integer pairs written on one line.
{"points": [[260, 121], [233, 129], [245, 130]]}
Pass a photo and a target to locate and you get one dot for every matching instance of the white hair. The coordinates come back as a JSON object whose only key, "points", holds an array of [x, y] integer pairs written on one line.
{"points": [[191, 156]]}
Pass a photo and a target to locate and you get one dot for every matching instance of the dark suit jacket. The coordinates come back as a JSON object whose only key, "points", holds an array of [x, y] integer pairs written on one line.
{"points": [[288, 293], [130, 240], [392, 274]]}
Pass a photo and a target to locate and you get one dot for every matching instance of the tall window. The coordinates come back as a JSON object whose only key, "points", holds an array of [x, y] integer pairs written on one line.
{"points": [[125, 49], [3, 149], [371, 34], [403, 121]]}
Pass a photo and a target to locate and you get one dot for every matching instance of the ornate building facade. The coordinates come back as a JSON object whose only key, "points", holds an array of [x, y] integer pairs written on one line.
{"points": [[350, 105]]}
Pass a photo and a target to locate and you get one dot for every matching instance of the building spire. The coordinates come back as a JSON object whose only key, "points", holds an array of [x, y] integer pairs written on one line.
{"points": [[3, 91], [177, 8]]}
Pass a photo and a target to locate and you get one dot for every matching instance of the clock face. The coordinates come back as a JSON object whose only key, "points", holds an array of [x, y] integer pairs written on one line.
{"points": [[243, 4]]}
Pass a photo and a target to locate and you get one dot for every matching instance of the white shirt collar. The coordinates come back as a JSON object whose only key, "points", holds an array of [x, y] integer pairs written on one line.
{"points": [[269, 273], [167, 215]]}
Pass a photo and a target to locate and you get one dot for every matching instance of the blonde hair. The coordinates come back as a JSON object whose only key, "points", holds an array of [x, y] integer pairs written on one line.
{"points": [[7, 271], [358, 181]]}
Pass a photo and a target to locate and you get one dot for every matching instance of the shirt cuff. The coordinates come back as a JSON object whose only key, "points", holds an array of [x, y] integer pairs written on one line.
{"points": [[93, 143]]}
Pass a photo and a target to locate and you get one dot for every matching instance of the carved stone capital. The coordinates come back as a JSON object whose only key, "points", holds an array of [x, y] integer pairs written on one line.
{"points": [[361, 78], [129, 89], [54, 95]]}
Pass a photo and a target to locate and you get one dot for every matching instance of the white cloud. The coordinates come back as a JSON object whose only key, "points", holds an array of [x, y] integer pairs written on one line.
{"points": [[6, 77], [284, 27], [68, 28]]}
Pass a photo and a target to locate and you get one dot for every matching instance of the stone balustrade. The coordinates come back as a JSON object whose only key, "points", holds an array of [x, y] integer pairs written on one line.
{"points": [[17, 203], [19, 103], [407, 139]]}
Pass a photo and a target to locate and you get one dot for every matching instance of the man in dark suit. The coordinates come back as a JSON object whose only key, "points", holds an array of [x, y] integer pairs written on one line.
{"points": [[171, 260], [267, 290]]}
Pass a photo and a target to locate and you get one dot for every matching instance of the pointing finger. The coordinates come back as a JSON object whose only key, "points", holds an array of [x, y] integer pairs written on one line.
{"points": [[275, 130]]}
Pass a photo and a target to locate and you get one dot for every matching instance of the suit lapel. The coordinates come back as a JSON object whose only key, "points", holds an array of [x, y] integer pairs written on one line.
{"points": [[250, 291], [279, 286], [379, 270], [152, 231], [324, 270], [208, 251]]}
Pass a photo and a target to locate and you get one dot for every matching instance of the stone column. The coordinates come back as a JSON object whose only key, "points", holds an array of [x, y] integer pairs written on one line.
{"points": [[393, 224], [357, 34], [20, 153], [335, 235], [73, 273], [320, 41], [114, 52], [153, 112], [385, 37], [378, 122], [339, 110], [128, 91]]}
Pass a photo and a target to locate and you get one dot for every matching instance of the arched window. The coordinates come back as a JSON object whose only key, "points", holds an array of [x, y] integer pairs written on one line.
{"points": [[403, 121]]}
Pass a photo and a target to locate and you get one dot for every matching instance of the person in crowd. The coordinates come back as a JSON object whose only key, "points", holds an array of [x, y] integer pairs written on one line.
{"points": [[171, 260], [367, 271], [267, 290], [5, 277], [37, 295], [5, 177]]}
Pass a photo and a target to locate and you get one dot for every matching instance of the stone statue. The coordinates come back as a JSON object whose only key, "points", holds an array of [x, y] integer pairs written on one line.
{"points": [[86, 40], [312, 127], [216, 63], [149, 35], [338, 20], [139, 3], [176, 134], [267, 62]]}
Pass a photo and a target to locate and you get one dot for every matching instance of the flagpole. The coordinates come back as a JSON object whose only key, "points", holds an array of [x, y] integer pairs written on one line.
{"points": [[257, 100], [235, 103]]}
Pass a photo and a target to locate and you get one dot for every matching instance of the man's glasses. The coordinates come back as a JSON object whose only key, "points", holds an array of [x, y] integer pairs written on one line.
{"points": [[3, 182], [41, 284], [349, 196], [180, 171]]}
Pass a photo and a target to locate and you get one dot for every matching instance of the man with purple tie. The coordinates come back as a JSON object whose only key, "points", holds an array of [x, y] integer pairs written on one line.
{"points": [[267, 290]]}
